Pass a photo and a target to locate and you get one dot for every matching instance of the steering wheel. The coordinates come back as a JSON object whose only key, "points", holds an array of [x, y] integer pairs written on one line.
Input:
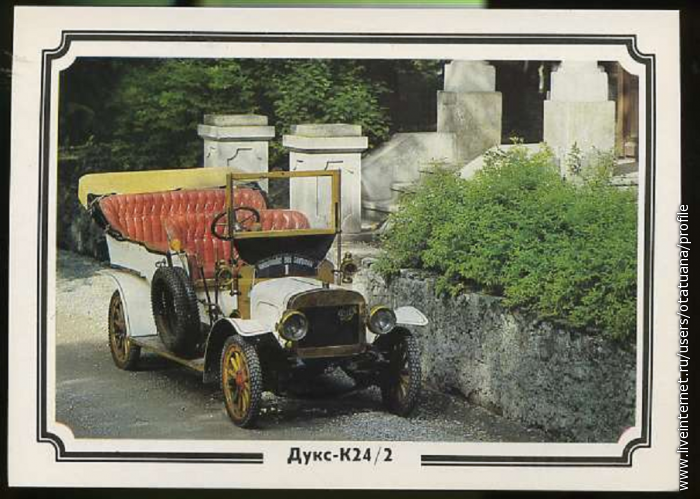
{"points": [[219, 226]]}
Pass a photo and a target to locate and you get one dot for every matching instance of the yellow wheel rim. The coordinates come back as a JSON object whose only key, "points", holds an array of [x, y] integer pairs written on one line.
{"points": [[236, 382], [117, 326]]}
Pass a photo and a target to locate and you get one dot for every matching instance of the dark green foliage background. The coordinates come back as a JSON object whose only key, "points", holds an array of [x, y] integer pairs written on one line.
{"points": [[563, 250], [146, 112]]}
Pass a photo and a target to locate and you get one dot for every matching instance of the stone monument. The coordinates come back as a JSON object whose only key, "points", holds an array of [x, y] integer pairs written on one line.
{"points": [[578, 110], [470, 107], [327, 147], [237, 140]]}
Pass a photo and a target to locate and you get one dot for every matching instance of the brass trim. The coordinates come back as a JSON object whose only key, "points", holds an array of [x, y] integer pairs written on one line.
{"points": [[245, 279], [333, 298], [327, 298], [284, 174], [335, 201], [279, 327], [332, 351], [324, 272], [284, 233]]}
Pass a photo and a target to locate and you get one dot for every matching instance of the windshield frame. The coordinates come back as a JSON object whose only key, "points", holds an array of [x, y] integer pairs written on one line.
{"points": [[334, 228]]}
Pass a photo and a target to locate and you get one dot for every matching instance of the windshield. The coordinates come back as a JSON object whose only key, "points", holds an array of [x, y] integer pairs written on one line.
{"points": [[284, 204], [283, 213]]}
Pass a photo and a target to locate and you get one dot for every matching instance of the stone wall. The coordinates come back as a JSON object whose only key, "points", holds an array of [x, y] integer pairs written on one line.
{"points": [[576, 386]]}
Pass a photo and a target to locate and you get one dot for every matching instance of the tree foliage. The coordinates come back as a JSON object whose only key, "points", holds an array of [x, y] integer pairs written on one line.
{"points": [[562, 250], [155, 110], [146, 112]]}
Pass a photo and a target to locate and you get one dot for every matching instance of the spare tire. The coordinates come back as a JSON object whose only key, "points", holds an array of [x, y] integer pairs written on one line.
{"points": [[175, 310]]}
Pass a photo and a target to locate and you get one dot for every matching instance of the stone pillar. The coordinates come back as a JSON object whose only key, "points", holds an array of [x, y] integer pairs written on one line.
{"points": [[236, 140], [324, 147], [470, 107], [578, 110]]}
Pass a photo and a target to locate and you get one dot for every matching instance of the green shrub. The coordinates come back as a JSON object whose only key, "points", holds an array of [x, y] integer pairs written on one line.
{"points": [[564, 251]]}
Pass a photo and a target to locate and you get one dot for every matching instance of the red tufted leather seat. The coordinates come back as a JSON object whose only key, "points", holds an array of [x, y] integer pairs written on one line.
{"points": [[140, 217], [283, 220], [193, 230], [187, 215]]}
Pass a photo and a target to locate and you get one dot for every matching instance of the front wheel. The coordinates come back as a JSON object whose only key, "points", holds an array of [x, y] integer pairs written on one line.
{"points": [[401, 381], [124, 353], [241, 381]]}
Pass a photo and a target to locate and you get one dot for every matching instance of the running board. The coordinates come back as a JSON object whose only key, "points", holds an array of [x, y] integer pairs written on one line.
{"points": [[153, 344]]}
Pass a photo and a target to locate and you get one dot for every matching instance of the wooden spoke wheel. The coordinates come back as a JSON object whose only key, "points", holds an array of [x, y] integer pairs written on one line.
{"points": [[401, 381], [241, 381], [124, 353]]}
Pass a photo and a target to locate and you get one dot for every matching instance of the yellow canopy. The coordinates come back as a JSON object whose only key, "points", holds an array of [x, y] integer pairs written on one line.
{"points": [[150, 181]]}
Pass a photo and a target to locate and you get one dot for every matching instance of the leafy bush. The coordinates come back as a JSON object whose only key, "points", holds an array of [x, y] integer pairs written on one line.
{"points": [[564, 251]]}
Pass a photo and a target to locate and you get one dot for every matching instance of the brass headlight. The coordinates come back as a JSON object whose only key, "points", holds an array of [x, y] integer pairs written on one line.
{"points": [[381, 320], [348, 268], [293, 325]]}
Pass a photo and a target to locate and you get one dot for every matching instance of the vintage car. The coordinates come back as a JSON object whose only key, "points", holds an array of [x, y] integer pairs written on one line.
{"points": [[211, 273]]}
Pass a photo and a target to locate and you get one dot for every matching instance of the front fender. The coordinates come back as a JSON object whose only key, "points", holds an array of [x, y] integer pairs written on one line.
{"points": [[410, 316], [222, 329]]}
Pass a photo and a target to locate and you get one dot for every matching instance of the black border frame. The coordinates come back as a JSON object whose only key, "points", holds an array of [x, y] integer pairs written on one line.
{"points": [[48, 58]]}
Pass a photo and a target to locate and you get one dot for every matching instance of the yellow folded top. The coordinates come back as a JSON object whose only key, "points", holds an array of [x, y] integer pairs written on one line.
{"points": [[151, 181]]}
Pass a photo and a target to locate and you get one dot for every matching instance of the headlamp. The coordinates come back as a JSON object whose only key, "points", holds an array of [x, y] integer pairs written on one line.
{"points": [[381, 320], [293, 325]]}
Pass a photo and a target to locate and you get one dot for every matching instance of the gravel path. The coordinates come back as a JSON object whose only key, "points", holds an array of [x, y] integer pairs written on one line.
{"points": [[163, 400]]}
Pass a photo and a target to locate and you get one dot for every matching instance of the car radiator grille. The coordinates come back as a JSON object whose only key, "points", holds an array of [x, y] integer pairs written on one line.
{"points": [[331, 326]]}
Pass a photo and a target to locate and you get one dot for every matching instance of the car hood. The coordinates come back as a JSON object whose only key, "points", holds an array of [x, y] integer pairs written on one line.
{"points": [[269, 299]]}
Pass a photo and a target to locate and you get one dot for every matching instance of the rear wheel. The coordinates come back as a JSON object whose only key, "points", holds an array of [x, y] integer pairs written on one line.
{"points": [[124, 353], [401, 381], [241, 381], [175, 310]]}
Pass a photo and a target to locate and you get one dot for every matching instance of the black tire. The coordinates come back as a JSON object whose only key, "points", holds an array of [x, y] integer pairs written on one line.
{"points": [[241, 381], [124, 353], [401, 381], [175, 310]]}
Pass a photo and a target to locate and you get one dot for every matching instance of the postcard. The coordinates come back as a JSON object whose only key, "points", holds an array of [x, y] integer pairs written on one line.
{"points": [[355, 248]]}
